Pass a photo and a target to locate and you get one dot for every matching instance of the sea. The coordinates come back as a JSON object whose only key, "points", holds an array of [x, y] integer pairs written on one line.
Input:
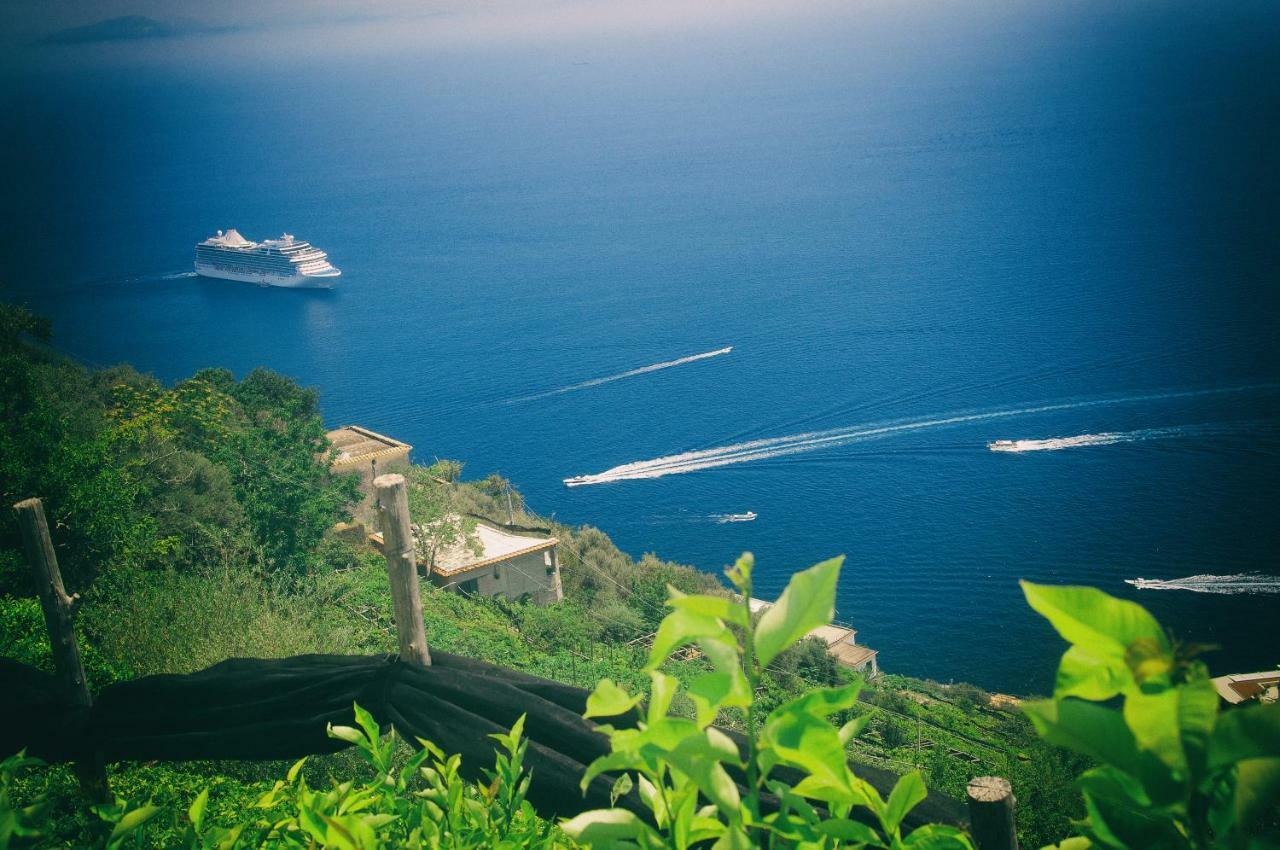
{"points": [[800, 260]]}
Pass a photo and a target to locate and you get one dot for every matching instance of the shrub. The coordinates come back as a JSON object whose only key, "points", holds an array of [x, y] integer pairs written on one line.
{"points": [[683, 768], [1172, 770]]}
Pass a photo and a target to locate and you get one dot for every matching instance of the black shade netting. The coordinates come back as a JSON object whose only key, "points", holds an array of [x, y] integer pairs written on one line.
{"points": [[253, 709]]}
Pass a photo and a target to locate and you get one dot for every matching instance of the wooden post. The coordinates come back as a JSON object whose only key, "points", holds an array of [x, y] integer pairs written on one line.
{"points": [[58, 612], [402, 567], [991, 817]]}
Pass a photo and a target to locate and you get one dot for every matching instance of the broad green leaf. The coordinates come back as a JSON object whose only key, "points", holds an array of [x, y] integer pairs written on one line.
{"points": [[849, 830], [367, 723], [1095, 621], [133, 819], [345, 733], [1197, 714], [936, 836], [709, 606], [1153, 720], [808, 602], [699, 758], [854, 728], [811, 744], [196, 813], [681, 628], [1086, 675], [1087, 728], [609, 700], [726, 687], [621, 787], [1115, 820], [661, 692], [733, 839], [1257, 789], [821, 702], [605, 826], [293, 771], [905, 796], [739, 574], [1251, 731], [1149, 661]]}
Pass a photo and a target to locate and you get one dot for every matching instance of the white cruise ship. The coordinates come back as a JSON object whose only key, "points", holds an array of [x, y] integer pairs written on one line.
{"points": [[273, 262]]}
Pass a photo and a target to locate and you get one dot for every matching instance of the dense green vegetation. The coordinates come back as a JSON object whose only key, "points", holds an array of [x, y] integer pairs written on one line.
{"points": [[194, 521]]}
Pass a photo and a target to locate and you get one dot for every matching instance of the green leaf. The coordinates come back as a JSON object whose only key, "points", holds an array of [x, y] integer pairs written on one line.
{"points": [[854, 728], [1086, 675], [709, 606], [822, 702], [1087, 728], [1257, 789], [810, 743], [345, 733], [849, 830], [733, 839], [609, 700], [936, 836], [133, 819], [1101, 625], [661, 692], [808, 602], [1153, 720], [605, 826], [1251, 731], [621, 787], [681, 628], [199, 806], [905, 796]]}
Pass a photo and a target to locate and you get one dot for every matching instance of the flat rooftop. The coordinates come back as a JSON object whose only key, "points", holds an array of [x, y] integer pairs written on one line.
{"points": [[356, 444], [494, 544]]}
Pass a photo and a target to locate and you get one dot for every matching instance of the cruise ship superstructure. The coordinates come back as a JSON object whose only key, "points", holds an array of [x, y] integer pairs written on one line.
{"points": [[273, 262]]}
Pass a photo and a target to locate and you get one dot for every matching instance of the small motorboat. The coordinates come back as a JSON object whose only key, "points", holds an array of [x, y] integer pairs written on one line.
{"points": [[1003, 445], [744, 517]]}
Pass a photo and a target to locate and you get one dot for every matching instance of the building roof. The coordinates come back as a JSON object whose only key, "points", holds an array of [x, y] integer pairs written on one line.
{"points": [[360, 445], [832, 634], [1239, 687], [495, 546]]}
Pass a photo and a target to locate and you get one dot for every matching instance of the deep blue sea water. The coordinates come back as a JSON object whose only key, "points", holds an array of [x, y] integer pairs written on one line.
{"points": [[895, 213]]}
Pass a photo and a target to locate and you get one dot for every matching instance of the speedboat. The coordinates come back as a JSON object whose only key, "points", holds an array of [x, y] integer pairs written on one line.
{"points": [[744, 517]]}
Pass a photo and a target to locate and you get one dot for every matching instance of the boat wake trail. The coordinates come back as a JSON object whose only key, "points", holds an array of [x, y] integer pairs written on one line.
{"points": [[595, 382], [1243, 583], [1054, 444], [774, 447]]}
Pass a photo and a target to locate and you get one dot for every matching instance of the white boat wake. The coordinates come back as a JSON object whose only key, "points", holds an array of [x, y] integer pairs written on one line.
{"points": [[1243, 583], [774, 447], [595, 382], [1053, 444]]}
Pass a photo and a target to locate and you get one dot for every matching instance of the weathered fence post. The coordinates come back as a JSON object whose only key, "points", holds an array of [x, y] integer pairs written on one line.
{"points": [[991, 817], [58, 612], [402, 567]]}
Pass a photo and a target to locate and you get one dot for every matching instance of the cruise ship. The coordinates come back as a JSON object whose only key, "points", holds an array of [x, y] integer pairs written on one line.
{"points": [[273, 262]]}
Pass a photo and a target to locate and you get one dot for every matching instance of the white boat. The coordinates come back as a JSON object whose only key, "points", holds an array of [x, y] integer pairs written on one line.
{"points": [[744, 517], [285, 261], [1003, 446]]}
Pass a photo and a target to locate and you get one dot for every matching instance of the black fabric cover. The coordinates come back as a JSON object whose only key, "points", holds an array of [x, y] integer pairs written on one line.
{"points": [[253, 709]]}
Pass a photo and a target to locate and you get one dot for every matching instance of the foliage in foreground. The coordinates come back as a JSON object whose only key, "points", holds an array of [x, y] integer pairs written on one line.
{"points": [[684, 768], [418, 802], [1173, 771]]}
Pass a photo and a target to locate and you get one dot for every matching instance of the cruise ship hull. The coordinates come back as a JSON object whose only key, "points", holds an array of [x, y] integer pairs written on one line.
{"points": [[295, 281]]}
